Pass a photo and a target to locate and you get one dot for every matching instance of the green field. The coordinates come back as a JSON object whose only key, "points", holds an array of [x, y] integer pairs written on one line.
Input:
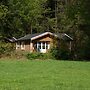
{"points": [[44, 75]]}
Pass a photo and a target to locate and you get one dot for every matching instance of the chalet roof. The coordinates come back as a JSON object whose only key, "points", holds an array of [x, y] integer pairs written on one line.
{"points": [[38, 35]]}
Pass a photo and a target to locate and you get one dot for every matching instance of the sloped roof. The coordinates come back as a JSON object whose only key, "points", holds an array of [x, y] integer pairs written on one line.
{"points": [[13, 39], [28, 36], [38, 35]]}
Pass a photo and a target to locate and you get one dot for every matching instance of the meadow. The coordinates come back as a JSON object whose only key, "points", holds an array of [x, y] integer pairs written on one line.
{"points": [[44, 75]]}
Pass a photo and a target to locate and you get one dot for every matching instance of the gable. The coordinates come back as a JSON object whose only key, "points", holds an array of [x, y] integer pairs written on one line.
{"points": [[44, 38]]}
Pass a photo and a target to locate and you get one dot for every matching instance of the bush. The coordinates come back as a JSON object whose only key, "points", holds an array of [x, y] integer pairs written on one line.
{"points": [[33, 55], [55, 53], [6, 48], [58, 53], [37, 55]]}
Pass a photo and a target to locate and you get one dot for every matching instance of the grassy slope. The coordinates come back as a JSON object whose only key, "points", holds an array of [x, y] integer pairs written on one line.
{"points": [[44, 75]]}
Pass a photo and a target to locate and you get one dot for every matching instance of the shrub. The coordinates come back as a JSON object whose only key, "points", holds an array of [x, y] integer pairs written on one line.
{"points": [[58, 53], [37, 55], [6, 48], [34, 55]]}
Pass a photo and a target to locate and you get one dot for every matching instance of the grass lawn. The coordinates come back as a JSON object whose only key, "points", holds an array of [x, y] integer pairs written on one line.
{"points": [[44, 75]]}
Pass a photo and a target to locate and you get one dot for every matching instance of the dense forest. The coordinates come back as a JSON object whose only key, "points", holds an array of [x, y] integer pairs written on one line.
{"points": [[20, 17]]}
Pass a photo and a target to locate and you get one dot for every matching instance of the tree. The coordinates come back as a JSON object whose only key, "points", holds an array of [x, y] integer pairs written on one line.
{"points": [[21, 17]]}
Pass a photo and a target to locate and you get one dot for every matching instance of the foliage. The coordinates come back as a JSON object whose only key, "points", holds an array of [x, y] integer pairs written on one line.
{"points": [[83, 52], [6, 48], [60, 53], [18, 17], [32, 56]]}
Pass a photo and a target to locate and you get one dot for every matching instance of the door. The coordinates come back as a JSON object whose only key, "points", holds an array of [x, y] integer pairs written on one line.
{"points": [[43, 47]]}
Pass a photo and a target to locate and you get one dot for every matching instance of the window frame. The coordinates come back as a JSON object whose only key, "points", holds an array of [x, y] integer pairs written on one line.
{"points": [[23, 45]]}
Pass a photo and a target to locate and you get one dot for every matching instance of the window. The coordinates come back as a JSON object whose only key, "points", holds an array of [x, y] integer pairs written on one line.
{"points": [[39, 45], [47, 45], [43, 45], [17, 45], [22, 45]]}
